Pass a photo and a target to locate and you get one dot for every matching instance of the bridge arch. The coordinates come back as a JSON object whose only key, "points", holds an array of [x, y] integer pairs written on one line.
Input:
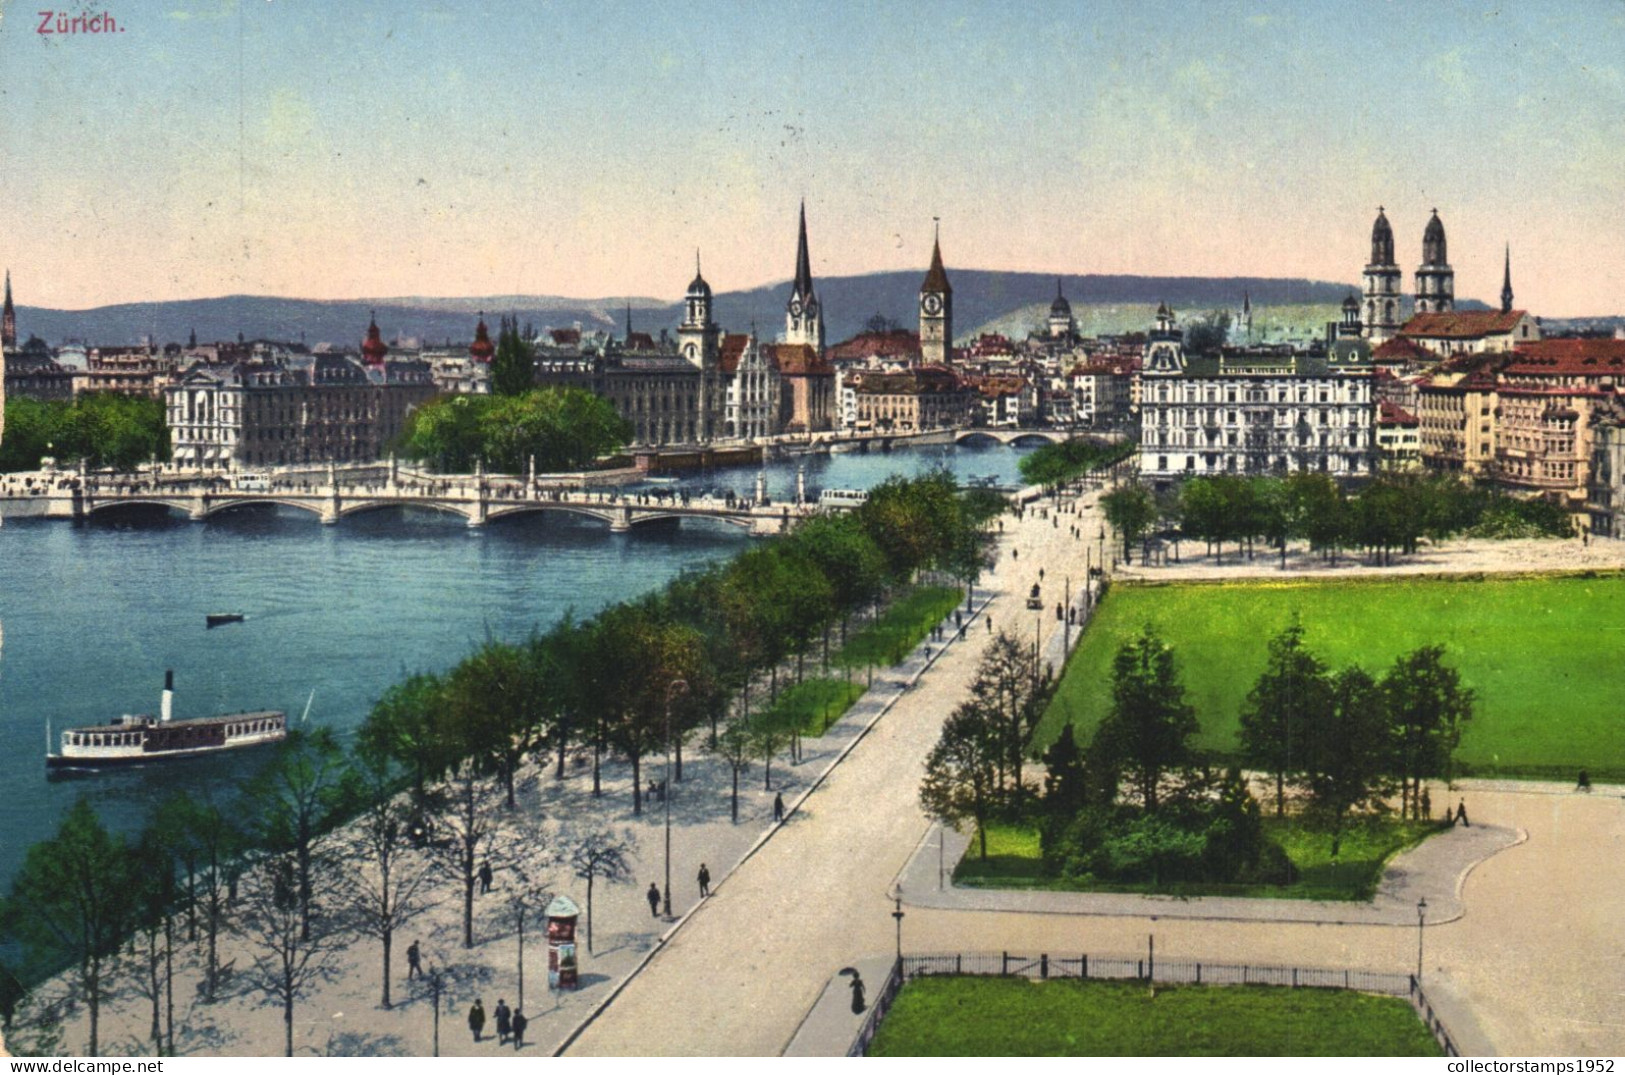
{"points": [[535, 507], [180, 507], [745, 522], [1032, 439], [362, 507], [978, 436], [302, 505]]}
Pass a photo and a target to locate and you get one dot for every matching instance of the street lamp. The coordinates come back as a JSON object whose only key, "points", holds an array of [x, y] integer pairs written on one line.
{"points": [[1421, 921], [897, 914], [673, 689]]}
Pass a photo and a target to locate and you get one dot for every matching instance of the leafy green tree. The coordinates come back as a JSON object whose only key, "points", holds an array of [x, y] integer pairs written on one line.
{"points": [[1146, 734], [1317, 504], [1427, 707], [1007, 692], [494, 702], [1290, 692], [736, 746], [1206, 334], [446, 432], [70, 905], [1066, 788], [402, 726], [846, 556], [1131, 510], [961, 772], [557, 428], [513, 366], [1346, 749]]}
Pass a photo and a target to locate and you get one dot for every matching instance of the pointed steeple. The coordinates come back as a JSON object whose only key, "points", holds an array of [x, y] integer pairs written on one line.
{"points": [[1507, 283], [937, 278], [803, 284], [629, 319], [8, 329]]}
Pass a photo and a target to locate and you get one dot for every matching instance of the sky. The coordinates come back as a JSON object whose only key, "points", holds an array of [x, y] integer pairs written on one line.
{"points": [[342, 149]]}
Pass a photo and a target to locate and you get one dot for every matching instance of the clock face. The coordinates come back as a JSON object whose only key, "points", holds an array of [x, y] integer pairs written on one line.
{"points": [[931, 304], [795, 307], [812, 308]]}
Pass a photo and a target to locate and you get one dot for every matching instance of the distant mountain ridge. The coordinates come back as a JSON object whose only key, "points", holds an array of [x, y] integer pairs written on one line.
{"points": [[980, 297]]}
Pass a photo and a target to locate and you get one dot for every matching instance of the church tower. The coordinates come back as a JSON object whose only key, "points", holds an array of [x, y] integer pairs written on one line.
{"points": [[803, 316], [698, 337], [1435, 280], [8, 326], [1244, 322], [1061, 324], [936, 312], [1507, 284], [1381, 283], [1164, 346]]}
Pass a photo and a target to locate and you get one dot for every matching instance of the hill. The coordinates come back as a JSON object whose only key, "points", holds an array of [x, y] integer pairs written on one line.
{"points": [[981, 299]]}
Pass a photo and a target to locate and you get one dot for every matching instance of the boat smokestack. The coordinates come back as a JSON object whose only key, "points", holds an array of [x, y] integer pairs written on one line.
{"points": [[167, 705]]}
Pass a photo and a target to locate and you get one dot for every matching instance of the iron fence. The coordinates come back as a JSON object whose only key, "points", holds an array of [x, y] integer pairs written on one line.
{"points": [[1147, 968]]}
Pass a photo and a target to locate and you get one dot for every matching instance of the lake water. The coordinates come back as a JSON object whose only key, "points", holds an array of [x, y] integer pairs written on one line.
{"points": [[92, 616]]}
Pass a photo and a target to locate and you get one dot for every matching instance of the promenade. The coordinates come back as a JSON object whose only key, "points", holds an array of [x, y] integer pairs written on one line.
{"points": [[1531, 963]]}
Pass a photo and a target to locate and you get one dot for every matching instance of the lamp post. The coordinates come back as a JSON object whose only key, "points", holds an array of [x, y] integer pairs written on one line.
{"points": [[897, 915], [1421, 922], [673, 689], [1102, 556], [1066, 621]]}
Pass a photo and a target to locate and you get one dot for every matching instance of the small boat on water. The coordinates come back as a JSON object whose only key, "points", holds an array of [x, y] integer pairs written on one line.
{"points": [[215, 619], [136, 740]]}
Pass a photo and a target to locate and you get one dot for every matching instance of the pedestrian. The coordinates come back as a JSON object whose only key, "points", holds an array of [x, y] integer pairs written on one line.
{"points": [[1040, 574], [990, 623], [778, 807], [504, 1021], [959, 618], [519, 1025], [414, 961], [858, 1006], [1461, 814], [485, 876], [1015, 554], [1584, 783], [653, 896], [476, 1019], [705, 881], [1427, 806]]}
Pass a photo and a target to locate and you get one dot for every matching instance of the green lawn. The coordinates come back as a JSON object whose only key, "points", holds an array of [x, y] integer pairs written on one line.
{"points": [[951, 1016], [900, 628], [814, 704], [1544, 654], [1014, 860]]}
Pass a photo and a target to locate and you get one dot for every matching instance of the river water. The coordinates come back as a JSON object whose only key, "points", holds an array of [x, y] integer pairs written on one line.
{"points": [[92, 615]]}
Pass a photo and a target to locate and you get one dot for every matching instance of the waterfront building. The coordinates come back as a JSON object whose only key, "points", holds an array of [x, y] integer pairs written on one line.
{"points": [[807, 389], [1102, 392], [324, 408], [30, 371], [141, 370], [912, 401], [1253, 410], [751, 410]]}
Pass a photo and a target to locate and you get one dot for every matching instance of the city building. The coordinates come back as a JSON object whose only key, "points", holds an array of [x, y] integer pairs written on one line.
{"points": [[1469, 332], [751, 409], [1605, 488], [912, 401], [1455, 410], [807, 389], [330, 409], [140, 370], [1399, 438], [1253, 410]]}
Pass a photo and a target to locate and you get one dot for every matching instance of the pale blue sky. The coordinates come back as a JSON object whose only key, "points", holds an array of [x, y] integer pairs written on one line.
{"points": [[350, 149]]}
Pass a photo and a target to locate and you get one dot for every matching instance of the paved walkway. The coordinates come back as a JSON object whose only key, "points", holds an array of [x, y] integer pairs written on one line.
{"points": [[1436, 869]]}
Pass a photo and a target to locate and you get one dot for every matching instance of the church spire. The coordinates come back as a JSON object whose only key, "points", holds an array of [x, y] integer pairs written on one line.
{"points": [[1507, 283], [803, 284], [8, 330]]}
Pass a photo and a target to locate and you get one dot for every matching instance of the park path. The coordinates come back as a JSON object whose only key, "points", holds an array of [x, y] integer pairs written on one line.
{"points": [[1535, 959]]}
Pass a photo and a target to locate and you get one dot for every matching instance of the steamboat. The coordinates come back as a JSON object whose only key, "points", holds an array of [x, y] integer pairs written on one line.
{"points": [[136, 740]]}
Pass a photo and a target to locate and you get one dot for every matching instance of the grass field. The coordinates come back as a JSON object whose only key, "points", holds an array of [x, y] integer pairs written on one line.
{"points": [[814, 704], [900, 628], [1546, 656], [1016, 1017], [1015, 860]]}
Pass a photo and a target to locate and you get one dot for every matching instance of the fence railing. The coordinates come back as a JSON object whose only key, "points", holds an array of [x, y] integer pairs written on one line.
{"points": [[1147, 968], [877, 1010], [1424, 1008]]}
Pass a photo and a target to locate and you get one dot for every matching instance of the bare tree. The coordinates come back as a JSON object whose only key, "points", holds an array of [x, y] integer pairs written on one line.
{"points": [[735, 746], [468, 830], [290, 939], [527, 898], [603, 853], [389, 883]]}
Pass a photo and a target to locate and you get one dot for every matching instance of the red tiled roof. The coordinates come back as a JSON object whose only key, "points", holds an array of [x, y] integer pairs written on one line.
{"points": [[1399, 349], [898, 343], [1463, 324], [799, 360], [1569, 357], [565, 337], [733, 349], [640, 341], [1392, 414]]}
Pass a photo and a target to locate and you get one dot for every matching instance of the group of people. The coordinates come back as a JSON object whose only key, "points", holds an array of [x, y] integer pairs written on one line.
{"points": [[510, 1024]]}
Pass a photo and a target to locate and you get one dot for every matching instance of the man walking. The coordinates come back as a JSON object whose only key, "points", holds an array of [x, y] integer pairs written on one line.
{"points": [[414, 962], [654, 899], [705, 881], [504, 1021], [476, 1019], [778, 807], [485, 877], [519, 1025], [1461, 814]]}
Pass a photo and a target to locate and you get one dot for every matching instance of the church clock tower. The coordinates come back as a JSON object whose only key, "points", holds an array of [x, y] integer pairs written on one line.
{"points": [[1435, 279], [936, 312], [803, 316]]}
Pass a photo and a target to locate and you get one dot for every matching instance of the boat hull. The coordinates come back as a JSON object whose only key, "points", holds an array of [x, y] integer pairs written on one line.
{"points": [[70, 763]]}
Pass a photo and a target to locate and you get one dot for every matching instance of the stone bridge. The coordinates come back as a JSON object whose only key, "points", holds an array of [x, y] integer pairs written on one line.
{"points": [[476, 500], [1010, 436]]}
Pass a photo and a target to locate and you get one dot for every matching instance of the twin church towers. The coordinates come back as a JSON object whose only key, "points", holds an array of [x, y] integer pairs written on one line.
{"points": [[1435, 279]]}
